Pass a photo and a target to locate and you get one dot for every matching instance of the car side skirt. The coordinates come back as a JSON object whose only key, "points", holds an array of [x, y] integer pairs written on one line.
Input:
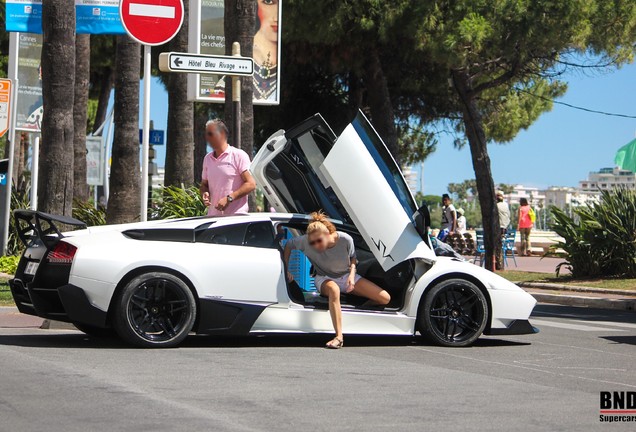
{"points": [[226, 317], [293, 318], [516, 327]]}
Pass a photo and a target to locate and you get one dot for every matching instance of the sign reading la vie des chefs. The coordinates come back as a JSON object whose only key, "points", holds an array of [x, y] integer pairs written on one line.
{"points": [[91, 16]]}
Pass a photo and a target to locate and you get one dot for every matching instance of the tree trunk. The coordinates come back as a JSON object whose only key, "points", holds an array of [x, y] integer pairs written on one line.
{"points": [[180, 144], [240, 21], [124, 203], [20, 153], [80, 112], [105, 86], [379, 101], [200, 144], [58, 82], [473, 123]]}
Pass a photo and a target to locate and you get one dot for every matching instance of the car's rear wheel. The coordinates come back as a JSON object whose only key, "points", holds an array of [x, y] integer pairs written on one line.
{"points": [[155, 310], [94, 331], [454, 313]]}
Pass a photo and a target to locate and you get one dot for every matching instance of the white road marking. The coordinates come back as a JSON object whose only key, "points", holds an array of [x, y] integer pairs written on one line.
{"points": [[611, 324], [153, 11], [572, 326], [536, 369]]}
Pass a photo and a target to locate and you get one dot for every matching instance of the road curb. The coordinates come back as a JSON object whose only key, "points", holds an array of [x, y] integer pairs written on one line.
{"points": [[578, 289], [56, 325], [623, 304]]}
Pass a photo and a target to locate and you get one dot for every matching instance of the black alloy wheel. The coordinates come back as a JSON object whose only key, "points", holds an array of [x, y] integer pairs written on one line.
{"points": [[454, 313], [155, 310]]}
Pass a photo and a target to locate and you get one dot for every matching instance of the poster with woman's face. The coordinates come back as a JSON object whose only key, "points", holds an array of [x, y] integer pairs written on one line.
{"points": [[209, 38]]}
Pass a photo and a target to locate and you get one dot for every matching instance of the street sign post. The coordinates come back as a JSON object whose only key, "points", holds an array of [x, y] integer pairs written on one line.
{"points": [[234, 66], [205, 64], [5, 105], [149, 22]]}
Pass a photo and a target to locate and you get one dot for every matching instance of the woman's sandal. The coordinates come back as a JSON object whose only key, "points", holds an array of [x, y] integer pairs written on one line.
{"points": [[339, 343]]}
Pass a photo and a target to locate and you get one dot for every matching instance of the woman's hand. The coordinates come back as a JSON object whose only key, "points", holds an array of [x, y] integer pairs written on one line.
{"points": [[351, 281], [290, 277]]}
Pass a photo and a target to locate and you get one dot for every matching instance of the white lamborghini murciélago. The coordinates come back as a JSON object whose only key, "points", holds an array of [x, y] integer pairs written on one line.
{"points": [[153, 283]]}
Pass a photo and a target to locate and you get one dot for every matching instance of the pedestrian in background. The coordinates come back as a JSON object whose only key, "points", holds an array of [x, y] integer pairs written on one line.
{"points": [[525, 225], [504, 212], [449, 218], [226, 180], [461, 221]]}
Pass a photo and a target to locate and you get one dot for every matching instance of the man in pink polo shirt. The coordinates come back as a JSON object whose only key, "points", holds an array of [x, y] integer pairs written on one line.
{"points": [[226, 180]]}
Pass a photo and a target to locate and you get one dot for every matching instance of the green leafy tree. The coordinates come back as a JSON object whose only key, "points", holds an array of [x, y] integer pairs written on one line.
{"points": [[357, 34], [461, 191], [504, 58]]}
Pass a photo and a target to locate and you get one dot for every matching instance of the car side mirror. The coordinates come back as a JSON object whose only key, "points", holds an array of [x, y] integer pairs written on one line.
{"points": [[422, 219]]}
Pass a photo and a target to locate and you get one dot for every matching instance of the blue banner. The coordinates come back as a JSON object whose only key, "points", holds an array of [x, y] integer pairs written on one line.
{"points": [[91, 16]]}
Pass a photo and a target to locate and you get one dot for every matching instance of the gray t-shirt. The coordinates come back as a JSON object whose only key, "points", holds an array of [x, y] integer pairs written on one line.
{"points": [[333, 262]]}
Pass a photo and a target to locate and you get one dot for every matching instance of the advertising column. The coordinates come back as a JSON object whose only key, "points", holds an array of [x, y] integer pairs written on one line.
{"points": [[207, 36]]}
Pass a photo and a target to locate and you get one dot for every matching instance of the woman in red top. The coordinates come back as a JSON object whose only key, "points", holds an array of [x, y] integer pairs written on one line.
{"points": [[525, 226]]}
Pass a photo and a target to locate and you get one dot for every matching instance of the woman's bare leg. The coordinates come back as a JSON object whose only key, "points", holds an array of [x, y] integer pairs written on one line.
{"points": [[332, 291], [366, 288]]}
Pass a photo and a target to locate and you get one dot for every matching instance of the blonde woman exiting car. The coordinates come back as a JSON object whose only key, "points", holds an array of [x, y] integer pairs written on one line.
{"points": [[333, 256]]}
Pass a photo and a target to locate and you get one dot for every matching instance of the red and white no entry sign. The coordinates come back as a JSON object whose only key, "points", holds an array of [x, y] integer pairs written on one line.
{"points": [[151, 22]]}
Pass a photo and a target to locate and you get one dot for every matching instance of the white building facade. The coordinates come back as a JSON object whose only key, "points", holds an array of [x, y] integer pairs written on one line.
{"points": [[608, 178]]}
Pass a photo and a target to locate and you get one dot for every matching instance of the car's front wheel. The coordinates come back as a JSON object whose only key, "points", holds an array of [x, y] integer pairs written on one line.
{"points": [[155, 310], [453, 313]]}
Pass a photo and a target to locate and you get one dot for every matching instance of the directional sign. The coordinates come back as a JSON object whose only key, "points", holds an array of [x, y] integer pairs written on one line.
{"points": [[5, 105], [151, 22], [205, 64], [156, 136]]}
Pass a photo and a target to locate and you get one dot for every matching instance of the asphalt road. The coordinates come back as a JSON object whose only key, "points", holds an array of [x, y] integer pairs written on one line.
{"points": [[61, 380]]}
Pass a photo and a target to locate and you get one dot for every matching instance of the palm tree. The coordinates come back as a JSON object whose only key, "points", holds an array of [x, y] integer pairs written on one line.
{"points": [[124, 203], [82, 76], [58, 82], [180, 144]]}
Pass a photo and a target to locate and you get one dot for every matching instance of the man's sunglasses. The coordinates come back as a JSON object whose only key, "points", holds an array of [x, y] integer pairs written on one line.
{"points": [[317, 241], [211, 133]]}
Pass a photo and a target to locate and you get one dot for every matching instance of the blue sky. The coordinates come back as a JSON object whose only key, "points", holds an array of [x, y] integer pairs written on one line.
{"points": [[560, 148], [557, 150]]}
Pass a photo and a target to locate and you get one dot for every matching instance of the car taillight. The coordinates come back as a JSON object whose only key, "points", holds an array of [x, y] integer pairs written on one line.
{"points": [[62, 253]]}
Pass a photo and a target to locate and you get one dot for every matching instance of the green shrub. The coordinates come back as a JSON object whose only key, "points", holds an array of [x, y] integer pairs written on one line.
{"points": [[87, 213], [19, 200], [9, 264], [600, 239], [178, 202]]}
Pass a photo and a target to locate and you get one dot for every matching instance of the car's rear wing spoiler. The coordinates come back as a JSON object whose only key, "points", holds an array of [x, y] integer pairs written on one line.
{"points": [[31, 224]]}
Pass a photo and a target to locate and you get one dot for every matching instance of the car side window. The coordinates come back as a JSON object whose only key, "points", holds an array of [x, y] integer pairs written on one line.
{"points": [[260, 234], [232, 235]]}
